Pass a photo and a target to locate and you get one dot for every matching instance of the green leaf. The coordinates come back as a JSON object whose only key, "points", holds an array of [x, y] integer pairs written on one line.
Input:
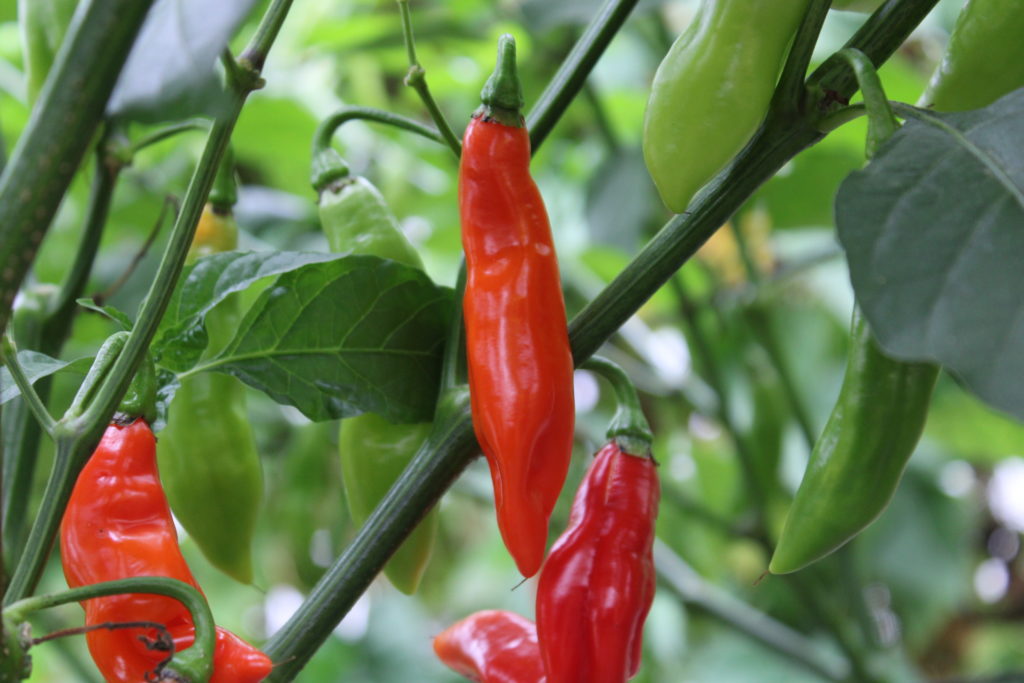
{"points": [[343, 337], [932, 231], [37, 366], [170, 73], [114, 314], [205, 285]]}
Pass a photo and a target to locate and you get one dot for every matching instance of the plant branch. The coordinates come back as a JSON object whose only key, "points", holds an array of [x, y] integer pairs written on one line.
{"points": [[325, 131], [28, 394], [573, 73], [698, 594], [416, 78], [59, 132]]}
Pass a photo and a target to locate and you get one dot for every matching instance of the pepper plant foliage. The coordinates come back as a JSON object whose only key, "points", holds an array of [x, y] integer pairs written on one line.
{"points": [[731, 319]]}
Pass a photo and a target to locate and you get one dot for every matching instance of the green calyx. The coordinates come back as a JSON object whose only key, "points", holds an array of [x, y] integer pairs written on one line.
{"points": [[629, 427], [502, 94], [327, 169], [140, 399]]}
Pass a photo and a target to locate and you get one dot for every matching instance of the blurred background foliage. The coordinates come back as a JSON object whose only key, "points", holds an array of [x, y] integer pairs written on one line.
{"points": [[934, 590]]}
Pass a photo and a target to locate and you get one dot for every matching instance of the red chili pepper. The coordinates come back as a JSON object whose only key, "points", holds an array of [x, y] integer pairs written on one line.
{"points": [[492, 646], [597, 585], [517, 342], [117, 525]]}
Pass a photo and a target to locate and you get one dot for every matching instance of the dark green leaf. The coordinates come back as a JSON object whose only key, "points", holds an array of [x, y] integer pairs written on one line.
{"points": [[166, 386], [933, 232], [344, 337], [205, 285], [170, 71], [36, 366]]}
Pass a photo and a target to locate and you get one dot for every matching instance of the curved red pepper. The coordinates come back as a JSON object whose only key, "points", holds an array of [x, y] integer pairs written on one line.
{"points": [[597, 585], [517, 341], [117, 525], [492, 646]]}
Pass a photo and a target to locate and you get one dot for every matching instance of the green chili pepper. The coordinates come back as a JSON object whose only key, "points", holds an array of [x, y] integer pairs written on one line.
{"points": [[356, 220], [207, 456], [858, 460], [712, 90], [984, 59]]}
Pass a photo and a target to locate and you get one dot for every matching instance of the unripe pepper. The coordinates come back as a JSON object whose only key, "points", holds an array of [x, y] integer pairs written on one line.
{"points": [[492, 646], [984, 59], [597, 585], [517, 342], [374, 452], [712, 90], [857, 461], [117, 525], [208, 459]]}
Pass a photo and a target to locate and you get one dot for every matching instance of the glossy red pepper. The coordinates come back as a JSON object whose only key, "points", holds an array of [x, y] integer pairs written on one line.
{"points": [[597, 585], [492, 646], [117, 525], [517, 342]]}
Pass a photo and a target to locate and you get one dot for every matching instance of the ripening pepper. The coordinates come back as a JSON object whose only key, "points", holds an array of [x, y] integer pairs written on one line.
{"points": [[597, 584], [517, 342], [356, 220], [712, 90], [492, 646], [117, 525], [984, 59], [208, 459]]}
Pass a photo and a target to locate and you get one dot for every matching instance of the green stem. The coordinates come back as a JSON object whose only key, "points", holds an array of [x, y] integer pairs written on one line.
{"points": [[700, 595], [166, 132], [789, 98], [573, 73], [59, 132], [841, 117], [882, 122], [224, 192], [28, 394], [195, 663], [79, 431], [447, 453], [703, 352], [629, 427], [760, 323], [416, 78]]}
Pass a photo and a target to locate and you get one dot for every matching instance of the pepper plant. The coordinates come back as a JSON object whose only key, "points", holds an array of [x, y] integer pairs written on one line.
{"points": [[336, 324]]}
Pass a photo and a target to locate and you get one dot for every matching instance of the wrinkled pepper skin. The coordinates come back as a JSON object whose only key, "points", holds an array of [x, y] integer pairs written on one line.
{"points": [[517, 341], [712, 90], [117, 525], [858, 460], [984, 59], [357, 220], [598, 582], [208, 459], [492, 646], [374, 452]]}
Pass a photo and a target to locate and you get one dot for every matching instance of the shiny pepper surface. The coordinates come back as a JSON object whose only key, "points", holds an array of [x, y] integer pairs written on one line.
{"points": [[858, 460], [712, 90], [517, 342], [117, 525], [984, 59], [492, 646], [208, 459], [597, 584]]}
